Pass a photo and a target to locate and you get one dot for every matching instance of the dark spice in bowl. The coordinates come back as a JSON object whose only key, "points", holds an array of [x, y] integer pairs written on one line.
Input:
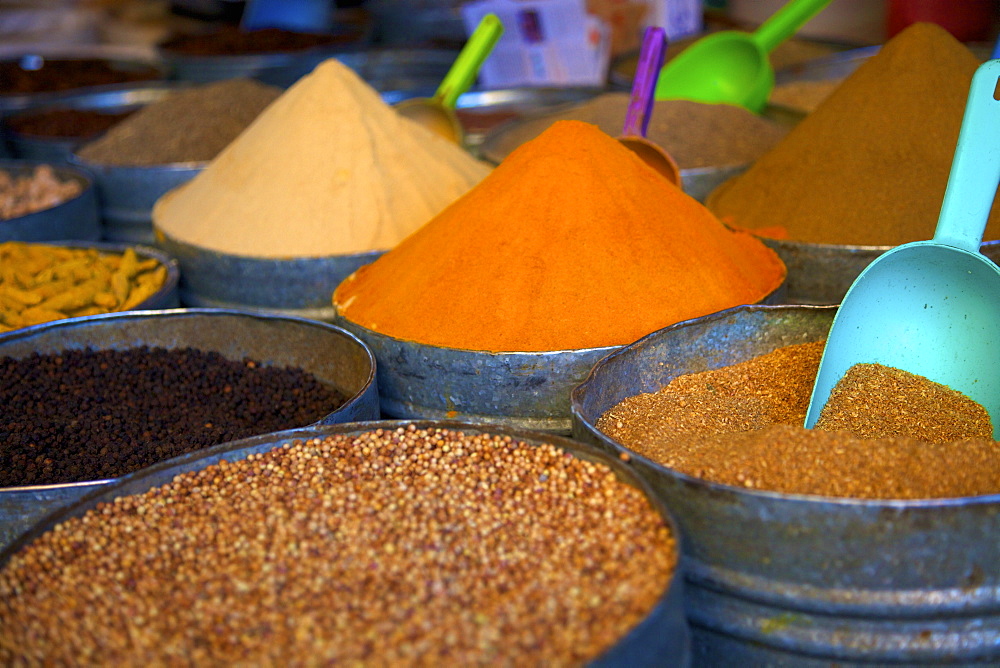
{"points": [[96, 414], [229, 41], [64, 123], [44, 75]]}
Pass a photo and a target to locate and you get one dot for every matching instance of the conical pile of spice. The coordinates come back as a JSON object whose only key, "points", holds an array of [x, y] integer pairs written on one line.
{"points": [[327, 169], [572, 242], [869, 166]]}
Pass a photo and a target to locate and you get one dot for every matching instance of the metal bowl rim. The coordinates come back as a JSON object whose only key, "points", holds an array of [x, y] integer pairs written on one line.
{"points": [[61, 169], [157, 230], [716, 487]]}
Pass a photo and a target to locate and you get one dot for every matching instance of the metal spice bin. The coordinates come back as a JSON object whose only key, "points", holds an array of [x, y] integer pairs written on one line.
{"points": [[77, 218], [782, 579], [662, 636], [821, 274], [527, 390], [293, 286], [332, 355]]}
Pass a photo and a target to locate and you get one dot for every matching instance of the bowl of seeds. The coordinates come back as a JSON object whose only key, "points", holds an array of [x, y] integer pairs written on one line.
{"points": [[95, 398], [42, 282], [40, 201], [854, 534], [396, 543]]}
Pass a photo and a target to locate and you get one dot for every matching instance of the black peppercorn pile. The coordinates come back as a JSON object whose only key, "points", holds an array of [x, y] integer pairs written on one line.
{"points": [[90, 415], [408, 547]]}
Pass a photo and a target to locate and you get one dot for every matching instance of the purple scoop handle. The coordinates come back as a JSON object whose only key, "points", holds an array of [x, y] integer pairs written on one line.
{"points": [[640, 106]]}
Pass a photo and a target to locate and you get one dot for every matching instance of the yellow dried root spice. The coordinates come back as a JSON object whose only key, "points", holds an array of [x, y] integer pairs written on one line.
{"points": [[41, 282]]}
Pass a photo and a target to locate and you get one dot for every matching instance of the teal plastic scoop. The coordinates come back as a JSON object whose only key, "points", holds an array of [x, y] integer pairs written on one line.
{"points": [[932, 308], [731, 66]]}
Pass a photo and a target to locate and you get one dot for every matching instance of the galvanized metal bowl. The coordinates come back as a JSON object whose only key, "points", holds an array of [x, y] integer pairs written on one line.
{"points": [[333, 355], [77, 218], [785, 579], [131, 62], [278, 68], [120, 100], [663, 635], [166, 297], [127, 194], [821, 274], [296, 286], [526, 390]]}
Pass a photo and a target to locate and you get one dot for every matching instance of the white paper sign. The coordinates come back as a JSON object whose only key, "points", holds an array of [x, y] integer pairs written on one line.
{"points": [[545, 43]]}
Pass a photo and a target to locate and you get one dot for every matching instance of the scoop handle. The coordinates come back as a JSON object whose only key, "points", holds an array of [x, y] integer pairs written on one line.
{"points": [[640, 105], [785, 22], [466, 66], [975, 169]]}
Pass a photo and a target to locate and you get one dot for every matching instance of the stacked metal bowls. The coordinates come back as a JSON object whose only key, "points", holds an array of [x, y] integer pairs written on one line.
{"points": [[332, 355], [786, 579], [77, 218]]}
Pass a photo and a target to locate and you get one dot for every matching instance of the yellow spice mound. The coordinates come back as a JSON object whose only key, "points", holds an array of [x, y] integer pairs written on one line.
{"points": [[572, 242], [327, 169]]}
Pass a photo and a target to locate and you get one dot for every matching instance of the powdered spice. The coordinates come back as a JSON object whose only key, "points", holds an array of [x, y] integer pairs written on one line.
{"points": [[572, 242], [869, 166], [911, 405], [190, 125], [741, 425], [328, 169]]}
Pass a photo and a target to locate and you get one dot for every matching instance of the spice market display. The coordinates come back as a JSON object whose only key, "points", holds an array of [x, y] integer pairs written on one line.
{"points": [[164, 502]]}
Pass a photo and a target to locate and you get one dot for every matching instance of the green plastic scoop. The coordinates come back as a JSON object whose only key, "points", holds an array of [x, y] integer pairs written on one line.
{"points": [[932, 308], [731, 66], [438, 113]]}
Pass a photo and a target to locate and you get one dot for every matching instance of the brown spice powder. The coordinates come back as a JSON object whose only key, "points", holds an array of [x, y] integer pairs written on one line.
{"points": [[742, 425], [907, 404]]}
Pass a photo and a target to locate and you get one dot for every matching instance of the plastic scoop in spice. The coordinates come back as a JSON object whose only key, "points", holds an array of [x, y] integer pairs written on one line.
{"points": [[640, 106], [438, 113], [731, 66], [932, 308]]}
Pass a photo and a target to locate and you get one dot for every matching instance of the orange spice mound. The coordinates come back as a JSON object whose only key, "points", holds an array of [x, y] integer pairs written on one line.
{"points": [[572, 242]]}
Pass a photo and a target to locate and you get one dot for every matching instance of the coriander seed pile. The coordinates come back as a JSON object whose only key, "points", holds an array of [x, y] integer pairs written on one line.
{"points": [[415, 546]]}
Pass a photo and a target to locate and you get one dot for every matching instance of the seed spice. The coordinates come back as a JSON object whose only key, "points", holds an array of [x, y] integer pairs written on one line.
{"points": [[409, 546], [742, 425], [84, 415]]}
